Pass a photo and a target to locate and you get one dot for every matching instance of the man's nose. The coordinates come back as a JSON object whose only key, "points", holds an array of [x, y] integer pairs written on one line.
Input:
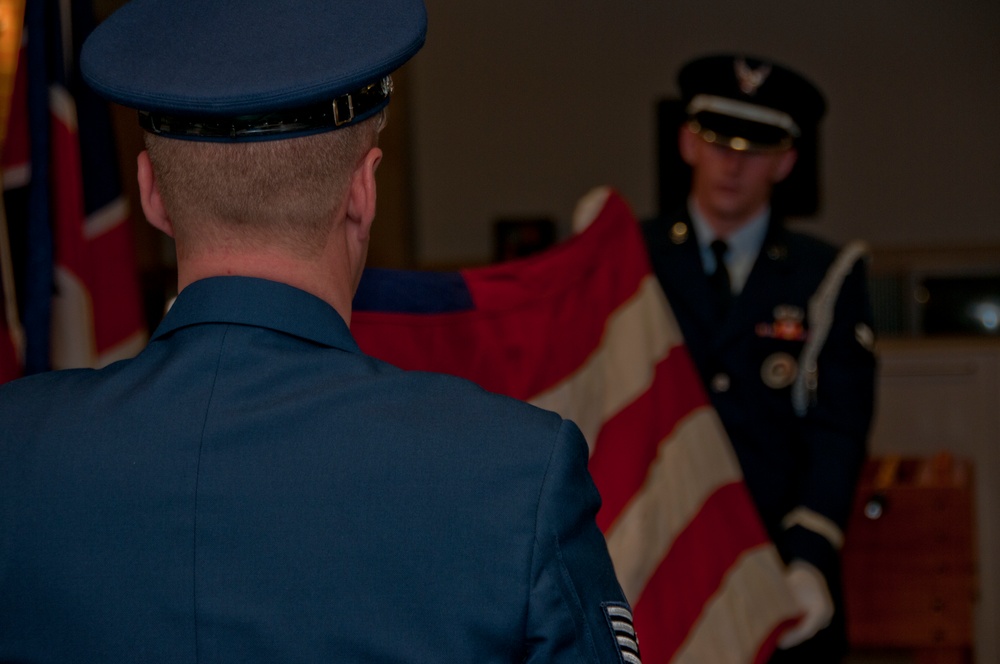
{"points": [[733, 160]]}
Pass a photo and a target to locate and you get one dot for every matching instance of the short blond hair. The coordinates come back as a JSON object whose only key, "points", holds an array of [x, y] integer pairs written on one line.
{"points": [[280, 192]]}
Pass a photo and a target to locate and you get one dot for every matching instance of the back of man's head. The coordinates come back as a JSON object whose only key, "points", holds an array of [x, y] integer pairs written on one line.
{"points": [[282, 193]]}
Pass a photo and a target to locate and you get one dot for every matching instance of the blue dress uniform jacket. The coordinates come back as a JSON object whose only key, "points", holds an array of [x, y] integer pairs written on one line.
{"points": [[795, 466], [253, 488]]}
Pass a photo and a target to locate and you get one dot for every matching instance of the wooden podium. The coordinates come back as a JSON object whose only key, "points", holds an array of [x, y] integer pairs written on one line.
{"points": [[909, 559]]}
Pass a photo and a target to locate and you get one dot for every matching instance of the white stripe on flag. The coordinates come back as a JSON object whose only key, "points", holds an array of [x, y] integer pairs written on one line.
{"points": [[692, 464], [16, 176], [73, 342], [125, 349], [637, 336], [63, 106], [106, 218]]}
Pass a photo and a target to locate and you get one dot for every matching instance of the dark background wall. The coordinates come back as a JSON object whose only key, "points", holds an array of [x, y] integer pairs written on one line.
{"points": [[520, 107]]}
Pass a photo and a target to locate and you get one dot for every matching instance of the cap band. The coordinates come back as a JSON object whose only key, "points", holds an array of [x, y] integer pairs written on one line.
{"points": [[340, 112], [740, 143], [744, 111]]}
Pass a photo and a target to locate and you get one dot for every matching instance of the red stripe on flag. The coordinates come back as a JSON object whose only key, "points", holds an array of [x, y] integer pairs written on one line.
{"points": [[694, 569], [114, 289], [10, 368]]}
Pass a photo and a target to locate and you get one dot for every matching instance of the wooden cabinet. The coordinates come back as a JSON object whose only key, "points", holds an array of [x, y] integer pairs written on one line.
{"points": [[910, 558]]}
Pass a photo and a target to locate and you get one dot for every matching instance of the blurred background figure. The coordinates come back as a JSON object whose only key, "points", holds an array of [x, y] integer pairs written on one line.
{"points": [[777, 322]]}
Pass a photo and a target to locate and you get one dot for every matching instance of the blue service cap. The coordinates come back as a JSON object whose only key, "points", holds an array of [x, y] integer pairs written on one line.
{"points": [[252, 69], [749, 103]]}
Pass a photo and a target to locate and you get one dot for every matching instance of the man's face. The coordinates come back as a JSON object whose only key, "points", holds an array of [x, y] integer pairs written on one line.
{"points": [[732, 186]]}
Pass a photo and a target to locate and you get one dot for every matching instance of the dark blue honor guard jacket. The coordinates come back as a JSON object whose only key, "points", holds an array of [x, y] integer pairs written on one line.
{"points": [[253, 488]]}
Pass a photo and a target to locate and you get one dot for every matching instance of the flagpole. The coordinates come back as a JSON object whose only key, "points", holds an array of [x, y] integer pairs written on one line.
{"points": [[11, 24]]}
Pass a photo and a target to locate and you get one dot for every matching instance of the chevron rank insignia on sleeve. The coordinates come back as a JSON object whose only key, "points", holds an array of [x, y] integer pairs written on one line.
{"points": [[620, 620]]}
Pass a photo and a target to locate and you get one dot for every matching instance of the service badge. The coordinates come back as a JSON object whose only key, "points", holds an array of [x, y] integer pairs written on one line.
{"points": [[779, 370]]}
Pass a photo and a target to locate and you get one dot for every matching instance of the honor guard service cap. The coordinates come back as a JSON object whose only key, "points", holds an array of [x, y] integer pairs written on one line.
{"points": [[748, 103], [232, 70]]}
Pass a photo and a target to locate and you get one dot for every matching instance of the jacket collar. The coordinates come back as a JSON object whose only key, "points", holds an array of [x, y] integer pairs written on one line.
{"points": [[772, 266], [259, 303]]}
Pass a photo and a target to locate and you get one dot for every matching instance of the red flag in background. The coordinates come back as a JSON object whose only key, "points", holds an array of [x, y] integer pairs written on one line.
{"points": [[10, 365], [96, 314], [11, 336], [74, 262], [13, 157], [584, 329]]}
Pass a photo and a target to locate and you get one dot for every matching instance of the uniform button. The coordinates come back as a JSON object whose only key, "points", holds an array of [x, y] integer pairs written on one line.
{"points": [[720, 382], [679, 233]]}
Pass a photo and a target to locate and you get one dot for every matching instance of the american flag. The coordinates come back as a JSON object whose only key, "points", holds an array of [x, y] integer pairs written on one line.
{"points": [[584, 329], [74, 263]]}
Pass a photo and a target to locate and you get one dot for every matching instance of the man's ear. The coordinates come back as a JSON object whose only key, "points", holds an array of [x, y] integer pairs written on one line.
{"points": [[687, 144], [785, 164], [361, 196], [149, 196]]}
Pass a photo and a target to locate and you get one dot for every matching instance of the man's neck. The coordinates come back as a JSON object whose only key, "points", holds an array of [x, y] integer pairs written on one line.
{"points": [[722, 226]]}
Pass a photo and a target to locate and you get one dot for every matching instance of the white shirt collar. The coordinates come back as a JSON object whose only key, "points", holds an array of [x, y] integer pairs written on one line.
{"points": [[744, 244]]}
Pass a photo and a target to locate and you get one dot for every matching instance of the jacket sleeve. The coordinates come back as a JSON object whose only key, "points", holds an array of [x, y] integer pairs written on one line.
{"points": [[576, 609], [835, 429]]}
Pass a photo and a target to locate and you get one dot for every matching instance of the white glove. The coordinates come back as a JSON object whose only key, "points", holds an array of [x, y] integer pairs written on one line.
{"points": [[813, 597]]}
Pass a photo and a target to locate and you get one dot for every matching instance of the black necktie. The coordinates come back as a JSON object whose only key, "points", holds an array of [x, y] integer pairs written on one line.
{"points": [[719, 280]]}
